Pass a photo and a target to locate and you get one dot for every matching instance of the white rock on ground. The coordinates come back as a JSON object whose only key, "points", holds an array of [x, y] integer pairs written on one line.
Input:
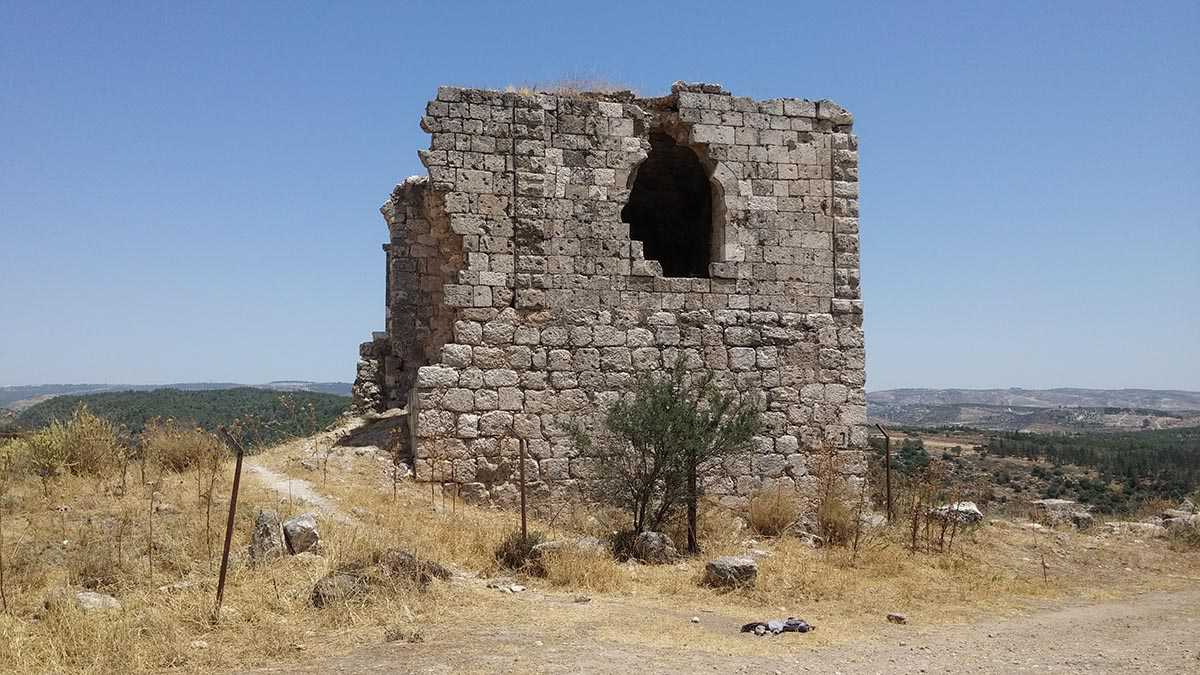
{"points": [[91, 601], [962, 512]]}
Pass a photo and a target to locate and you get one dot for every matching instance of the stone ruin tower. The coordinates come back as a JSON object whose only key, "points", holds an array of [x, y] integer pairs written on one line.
{"points": [[563, 242]]}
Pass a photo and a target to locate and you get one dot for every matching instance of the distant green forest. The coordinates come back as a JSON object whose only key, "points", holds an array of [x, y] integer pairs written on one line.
{"points": [[268, 416], [1158, 463]]}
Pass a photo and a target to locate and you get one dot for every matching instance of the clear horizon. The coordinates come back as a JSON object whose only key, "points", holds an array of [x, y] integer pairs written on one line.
{"points": [[191, 194]]}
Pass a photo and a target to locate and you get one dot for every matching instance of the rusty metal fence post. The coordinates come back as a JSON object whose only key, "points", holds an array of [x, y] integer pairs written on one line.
{"points": [[237, 479], [524, 530], [887, 470]]}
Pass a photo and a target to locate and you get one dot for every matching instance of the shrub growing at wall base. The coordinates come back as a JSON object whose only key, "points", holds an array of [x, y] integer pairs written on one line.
{"points": [[671, 432]]}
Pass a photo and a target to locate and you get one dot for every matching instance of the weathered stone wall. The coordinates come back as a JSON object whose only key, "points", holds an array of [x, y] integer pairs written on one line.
{"points": [[517, 300]]}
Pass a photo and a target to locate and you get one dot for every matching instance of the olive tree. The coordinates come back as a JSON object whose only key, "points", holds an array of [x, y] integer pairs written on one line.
{"points": [[671, 430]]}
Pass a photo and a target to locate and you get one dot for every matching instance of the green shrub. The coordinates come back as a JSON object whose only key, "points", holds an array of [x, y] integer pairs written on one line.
{"points": [[668, 434]]}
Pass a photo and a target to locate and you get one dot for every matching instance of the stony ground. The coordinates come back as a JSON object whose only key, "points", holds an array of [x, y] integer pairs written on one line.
{"points": [[1150, 633], [545, 631]]}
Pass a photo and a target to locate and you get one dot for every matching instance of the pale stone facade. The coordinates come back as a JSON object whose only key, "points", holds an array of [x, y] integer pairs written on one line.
{"points": [[700, 226]]}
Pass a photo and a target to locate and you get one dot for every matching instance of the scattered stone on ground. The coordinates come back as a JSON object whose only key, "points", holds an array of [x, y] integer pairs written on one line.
{"points": [[1129, 527], [199, 644], [266, 540], [695, 619], [961, 512], [337, 587], [395, 562], [654, 548], [896, 617], [300, 533], [730, 572], [506, 585]]}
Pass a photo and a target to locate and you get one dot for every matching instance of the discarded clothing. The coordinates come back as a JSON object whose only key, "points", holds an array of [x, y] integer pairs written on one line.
{"points": [[777, 626]]}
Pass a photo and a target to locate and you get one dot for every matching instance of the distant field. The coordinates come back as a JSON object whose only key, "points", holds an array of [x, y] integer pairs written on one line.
{"points": [[275, 414]]}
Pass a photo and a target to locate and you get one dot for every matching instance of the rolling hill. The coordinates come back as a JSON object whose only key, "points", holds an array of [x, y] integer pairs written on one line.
{"points": [[273, 414], [21, 397]]}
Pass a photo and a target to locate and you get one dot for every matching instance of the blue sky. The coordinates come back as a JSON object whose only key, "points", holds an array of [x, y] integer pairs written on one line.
{"points": [[192, 193]]}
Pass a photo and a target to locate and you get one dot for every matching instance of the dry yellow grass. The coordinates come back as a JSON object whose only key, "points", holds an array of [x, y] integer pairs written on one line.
{"points": [[269, 618], [772, 512]]}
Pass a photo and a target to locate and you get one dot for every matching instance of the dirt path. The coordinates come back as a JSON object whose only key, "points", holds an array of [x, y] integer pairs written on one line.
{"points": [[295, 488], [1150, 633]]}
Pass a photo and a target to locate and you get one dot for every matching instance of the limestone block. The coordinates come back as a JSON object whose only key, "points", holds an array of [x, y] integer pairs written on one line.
{"points": [[436, 376], [456, 355], [741, 358], [459, 400], [495, 423]]}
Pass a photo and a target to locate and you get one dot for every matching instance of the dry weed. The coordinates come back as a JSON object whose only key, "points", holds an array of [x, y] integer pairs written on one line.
{"points": [[773, 512]]}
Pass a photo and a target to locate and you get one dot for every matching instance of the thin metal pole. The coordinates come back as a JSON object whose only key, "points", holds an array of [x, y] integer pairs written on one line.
{"points": [[3, 595], [887, 469], [150, 548], [524, 529], [237, 479]]}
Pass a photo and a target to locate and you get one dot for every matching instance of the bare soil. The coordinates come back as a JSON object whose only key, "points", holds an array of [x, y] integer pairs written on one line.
{"points": [[1148, 633]]}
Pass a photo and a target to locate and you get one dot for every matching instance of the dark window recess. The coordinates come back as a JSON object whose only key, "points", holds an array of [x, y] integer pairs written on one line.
{"points": [[670, 209]]}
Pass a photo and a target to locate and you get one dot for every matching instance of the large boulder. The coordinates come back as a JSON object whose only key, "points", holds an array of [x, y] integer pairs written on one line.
{"points": [[730, 572], [337, 587], [654, 548], [266, 540], [964, 513], [300, 533]]}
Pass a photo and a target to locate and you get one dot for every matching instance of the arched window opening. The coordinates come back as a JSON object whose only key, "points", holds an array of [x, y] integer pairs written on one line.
{"points": [[670, 209]]}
